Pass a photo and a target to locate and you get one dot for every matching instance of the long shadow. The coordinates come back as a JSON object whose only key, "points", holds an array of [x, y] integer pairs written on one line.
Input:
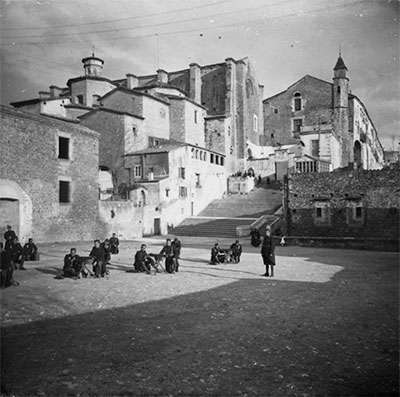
{"points": [[240, 338], [50, 270]]}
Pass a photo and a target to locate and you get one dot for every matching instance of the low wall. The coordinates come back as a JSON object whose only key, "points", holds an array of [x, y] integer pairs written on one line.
{"points": [[239, 185], [122, 217], [371, 244], [260, 224]]}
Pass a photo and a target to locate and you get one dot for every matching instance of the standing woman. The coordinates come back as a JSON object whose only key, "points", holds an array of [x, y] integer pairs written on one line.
{"points": [[268, 252]]}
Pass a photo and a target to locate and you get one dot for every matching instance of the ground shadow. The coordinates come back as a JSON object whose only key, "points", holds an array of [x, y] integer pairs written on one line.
{"points": [[253, 337]]}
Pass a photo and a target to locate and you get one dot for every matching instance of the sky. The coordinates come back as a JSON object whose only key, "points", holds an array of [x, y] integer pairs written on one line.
{"points": [[42, 43]]}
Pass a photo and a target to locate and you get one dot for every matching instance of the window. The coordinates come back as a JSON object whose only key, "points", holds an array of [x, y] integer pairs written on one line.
{"points": [[276, 111], [322, 213], [79, 99], [221, 161], [211, 158], [134, 130], [297, 102], [64, 192], [198, 180], [272, 136], [63, 147], [217, 160], [249, 88], [137, 171], [319, 212], [181, 172], [182, 191], [315, 148], [167, 192], [195, 116], [338, 89], [156, 142], [358, 212], [255, 123], [297, 124]]}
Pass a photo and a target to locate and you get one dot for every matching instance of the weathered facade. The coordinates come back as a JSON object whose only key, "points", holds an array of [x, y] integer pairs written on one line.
{"points": [[332, 124], [48, 178], [357, 203]]}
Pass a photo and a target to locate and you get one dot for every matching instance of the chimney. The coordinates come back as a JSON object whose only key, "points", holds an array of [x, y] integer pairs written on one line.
{"points": [[195, 82], [55, 91], [44, 95], [131, 81], [162, 76]]}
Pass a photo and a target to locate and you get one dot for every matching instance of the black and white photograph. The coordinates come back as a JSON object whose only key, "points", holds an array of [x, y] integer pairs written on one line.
{"points": [[199, 198]]}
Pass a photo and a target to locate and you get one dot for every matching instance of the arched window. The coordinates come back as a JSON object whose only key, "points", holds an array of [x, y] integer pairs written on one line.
{"points": [[143, 197], [249, 153], [197, 154], [297, 105]]}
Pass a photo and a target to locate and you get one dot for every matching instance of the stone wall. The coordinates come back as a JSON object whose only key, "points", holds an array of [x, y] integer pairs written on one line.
{"points": [[343, 204], [316, 96], [29, 159]]}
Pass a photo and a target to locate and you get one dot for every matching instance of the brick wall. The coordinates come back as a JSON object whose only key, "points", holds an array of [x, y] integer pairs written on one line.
{"points": [[29, 158], [343, 204]]}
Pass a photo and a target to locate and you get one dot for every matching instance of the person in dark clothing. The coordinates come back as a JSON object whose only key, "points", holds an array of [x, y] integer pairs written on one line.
{"points": [[73, 266], [114, 243], [268, 253], [259, 180], [170, 256], [215, 252], [9, 234], [18, 257], [99, 256], [255, 237], [177, 246], [7, 264], [30, 251], [143, 261], [107, 252], [236, 249]]}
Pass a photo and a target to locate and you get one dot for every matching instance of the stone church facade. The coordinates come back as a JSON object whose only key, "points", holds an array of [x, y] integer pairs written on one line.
{"points": [[331, 123]]}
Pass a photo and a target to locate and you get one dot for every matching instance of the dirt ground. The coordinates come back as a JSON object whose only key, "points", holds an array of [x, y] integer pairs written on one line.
{"points": [[325, 325]]}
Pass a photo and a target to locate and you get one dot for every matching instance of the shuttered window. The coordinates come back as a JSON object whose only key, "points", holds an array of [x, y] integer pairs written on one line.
{"points": [[64, 192]]}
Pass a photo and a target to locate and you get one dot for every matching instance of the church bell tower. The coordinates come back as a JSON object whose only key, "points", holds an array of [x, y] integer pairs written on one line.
{"points": [[341, 110]]}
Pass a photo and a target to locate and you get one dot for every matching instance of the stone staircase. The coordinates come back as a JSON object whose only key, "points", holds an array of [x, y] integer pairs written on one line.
{"points": [[222, 216]]}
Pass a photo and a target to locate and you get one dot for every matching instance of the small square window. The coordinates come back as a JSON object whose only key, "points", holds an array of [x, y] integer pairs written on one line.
{"points": [[64, 192], [276, 110]]}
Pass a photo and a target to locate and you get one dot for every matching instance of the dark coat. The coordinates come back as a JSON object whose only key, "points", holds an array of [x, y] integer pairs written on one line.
{"points": [[98, 254], [30, 249], [268, 250], [72, 262], [9, 235]]}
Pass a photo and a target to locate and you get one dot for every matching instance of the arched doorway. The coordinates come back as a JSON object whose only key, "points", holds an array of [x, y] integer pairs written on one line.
{"points": [[15, 209], [357, 155]]}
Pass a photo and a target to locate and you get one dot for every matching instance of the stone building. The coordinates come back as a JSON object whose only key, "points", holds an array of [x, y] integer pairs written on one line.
{"points": [[48, 178], [332, 124], [343, 203]]}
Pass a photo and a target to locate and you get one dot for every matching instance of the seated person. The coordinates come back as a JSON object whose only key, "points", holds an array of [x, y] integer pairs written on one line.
{"points": [[143, 261], [18, 257], [30, 251], [236, 249], [215, 254], [73, 265], [170, 253], [114, 243], [99, 257]]}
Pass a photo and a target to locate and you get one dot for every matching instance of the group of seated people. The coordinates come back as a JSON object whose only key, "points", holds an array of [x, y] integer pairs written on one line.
{"points": [[13, 256], [171, 251], [76, 266], [222, 255]]}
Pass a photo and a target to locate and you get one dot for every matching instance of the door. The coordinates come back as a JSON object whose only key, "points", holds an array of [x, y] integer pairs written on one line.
{"points": [[157, 226], [9, 215]]}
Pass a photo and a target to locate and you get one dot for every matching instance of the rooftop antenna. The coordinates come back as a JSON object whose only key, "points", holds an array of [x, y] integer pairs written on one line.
{"points": [[158, 52], [92, 50], [340, 50]]}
